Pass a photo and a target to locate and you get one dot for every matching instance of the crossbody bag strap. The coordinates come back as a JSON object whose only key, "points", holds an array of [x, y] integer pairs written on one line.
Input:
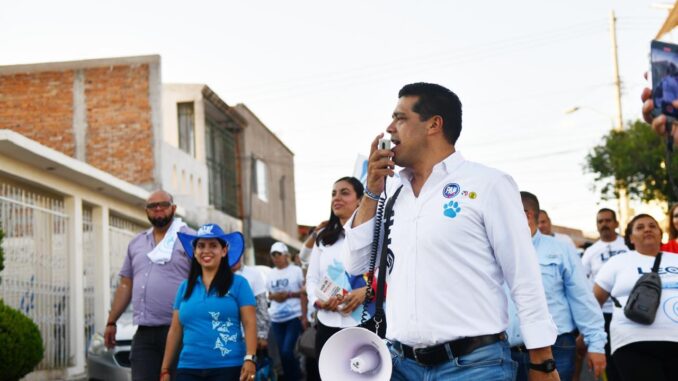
{"points": [[657, 261], [615, 301]]}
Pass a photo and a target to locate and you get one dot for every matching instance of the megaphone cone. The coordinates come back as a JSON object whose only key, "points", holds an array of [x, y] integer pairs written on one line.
{"points": [[355, 353]]}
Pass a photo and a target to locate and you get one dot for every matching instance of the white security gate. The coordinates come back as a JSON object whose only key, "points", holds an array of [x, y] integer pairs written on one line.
{"points": [[35, 279]]}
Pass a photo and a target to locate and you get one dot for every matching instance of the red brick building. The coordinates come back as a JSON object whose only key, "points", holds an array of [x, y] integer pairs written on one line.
{"points": [[105, 112]]}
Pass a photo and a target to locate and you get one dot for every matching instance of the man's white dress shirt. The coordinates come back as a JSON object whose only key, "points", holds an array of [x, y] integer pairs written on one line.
{"points": [[452, 248]]}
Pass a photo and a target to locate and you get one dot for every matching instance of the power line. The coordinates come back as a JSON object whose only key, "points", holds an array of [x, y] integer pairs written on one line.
{"points": [[368, 75], [313, 79]]}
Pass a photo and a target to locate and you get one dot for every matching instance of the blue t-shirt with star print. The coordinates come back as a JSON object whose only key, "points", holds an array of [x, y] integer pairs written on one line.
{"points": [[213, 337]]}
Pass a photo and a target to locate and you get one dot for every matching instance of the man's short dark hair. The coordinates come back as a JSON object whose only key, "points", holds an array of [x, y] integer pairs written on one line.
{"points": [[436, 100], [614, 215], [531, 203]]}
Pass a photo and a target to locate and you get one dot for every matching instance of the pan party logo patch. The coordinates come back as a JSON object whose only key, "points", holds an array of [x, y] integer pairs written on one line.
{"points": [[450, 190]]}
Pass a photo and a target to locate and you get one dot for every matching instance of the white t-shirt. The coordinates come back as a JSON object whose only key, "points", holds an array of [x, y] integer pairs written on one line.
{"points": [[595, 257], [327, 265], [619, 275], [289, 279], [254, 278], [452, 248]]}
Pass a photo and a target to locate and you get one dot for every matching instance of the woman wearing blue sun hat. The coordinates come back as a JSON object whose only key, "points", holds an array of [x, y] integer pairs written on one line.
{"points": [[209, 309]]}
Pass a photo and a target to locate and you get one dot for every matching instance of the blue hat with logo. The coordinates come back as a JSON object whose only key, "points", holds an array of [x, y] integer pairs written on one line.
{"points": [[235, 241]]}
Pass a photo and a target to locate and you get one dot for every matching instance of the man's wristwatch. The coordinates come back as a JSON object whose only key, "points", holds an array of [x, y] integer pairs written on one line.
{"points": [[252, 358], [547, 366]]}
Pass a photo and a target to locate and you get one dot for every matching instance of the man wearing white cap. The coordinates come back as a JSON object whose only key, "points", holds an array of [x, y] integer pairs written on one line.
{"points": [[288, 307]]}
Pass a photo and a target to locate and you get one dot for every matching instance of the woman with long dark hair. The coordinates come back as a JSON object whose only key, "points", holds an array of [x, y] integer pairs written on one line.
{"points": [[672, 245], [209, 309], [642, 352], [326, 270]]}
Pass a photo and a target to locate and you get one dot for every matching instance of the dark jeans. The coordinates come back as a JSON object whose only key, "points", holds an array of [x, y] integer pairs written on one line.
{"points": [[487, 363], [148, 347], [213, 374], [647, 360], [610, 368], [563, 352], [286, 335]]}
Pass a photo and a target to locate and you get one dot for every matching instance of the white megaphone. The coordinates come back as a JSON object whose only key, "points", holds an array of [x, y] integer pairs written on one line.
{"points": [[355, 353]]}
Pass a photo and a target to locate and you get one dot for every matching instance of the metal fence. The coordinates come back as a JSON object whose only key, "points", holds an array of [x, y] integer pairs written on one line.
{"points": [[121, 231], [35, 279], [89, 256]]}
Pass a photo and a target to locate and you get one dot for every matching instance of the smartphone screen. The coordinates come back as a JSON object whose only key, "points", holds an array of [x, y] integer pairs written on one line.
{"points": [[664, 70]]}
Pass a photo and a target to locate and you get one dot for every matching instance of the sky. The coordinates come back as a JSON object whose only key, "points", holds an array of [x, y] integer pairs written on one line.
{"points": [[324, 76]]}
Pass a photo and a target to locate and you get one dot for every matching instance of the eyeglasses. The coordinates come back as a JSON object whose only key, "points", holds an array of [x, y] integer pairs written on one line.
{"points": [[161, 205], [275, 254]]}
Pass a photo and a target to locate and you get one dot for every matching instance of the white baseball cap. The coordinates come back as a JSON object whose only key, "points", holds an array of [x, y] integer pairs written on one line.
{"points": [[279, 247]]}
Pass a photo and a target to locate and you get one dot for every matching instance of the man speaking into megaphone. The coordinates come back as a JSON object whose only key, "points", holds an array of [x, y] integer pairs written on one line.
{"points": [[458, 233]]}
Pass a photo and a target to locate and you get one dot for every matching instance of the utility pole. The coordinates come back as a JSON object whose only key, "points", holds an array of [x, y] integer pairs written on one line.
{"points": [[623, 201], [615, 65]]}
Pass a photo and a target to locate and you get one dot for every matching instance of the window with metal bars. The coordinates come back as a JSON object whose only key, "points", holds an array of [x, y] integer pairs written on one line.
{"points": [[220, 156], [186, 122]]}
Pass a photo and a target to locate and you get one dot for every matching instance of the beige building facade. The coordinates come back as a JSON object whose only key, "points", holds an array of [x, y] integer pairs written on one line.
{"points": [[268, 170], [67, 226]]}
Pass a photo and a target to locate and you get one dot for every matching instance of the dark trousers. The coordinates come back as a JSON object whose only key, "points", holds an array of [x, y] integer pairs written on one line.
{"points": [[148, 348], [563, 353], [647, 360], [323, 333], [214, 374], [610, 368], [286, 334]]}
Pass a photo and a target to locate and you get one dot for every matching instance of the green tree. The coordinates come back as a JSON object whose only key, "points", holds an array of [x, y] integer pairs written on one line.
{"points": [[632, 159]]}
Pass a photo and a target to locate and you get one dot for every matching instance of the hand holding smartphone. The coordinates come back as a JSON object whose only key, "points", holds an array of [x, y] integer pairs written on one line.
{"points": [[664, 78]]}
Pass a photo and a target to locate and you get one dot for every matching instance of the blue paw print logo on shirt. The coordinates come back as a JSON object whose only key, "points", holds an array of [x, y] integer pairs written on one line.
{"points": [[451, 209]]}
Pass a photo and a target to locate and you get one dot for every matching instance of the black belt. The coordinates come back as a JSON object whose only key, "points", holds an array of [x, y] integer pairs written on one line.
{"points": [[152, 327], [431, 356], [522, 348]]}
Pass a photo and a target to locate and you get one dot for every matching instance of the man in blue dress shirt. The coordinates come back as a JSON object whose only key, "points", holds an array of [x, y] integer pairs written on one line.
{"points": [[570, 302]]}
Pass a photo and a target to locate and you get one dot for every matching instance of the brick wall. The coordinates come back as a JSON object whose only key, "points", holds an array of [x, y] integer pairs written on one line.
{"points": [[118, 132], [40, 107]]}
